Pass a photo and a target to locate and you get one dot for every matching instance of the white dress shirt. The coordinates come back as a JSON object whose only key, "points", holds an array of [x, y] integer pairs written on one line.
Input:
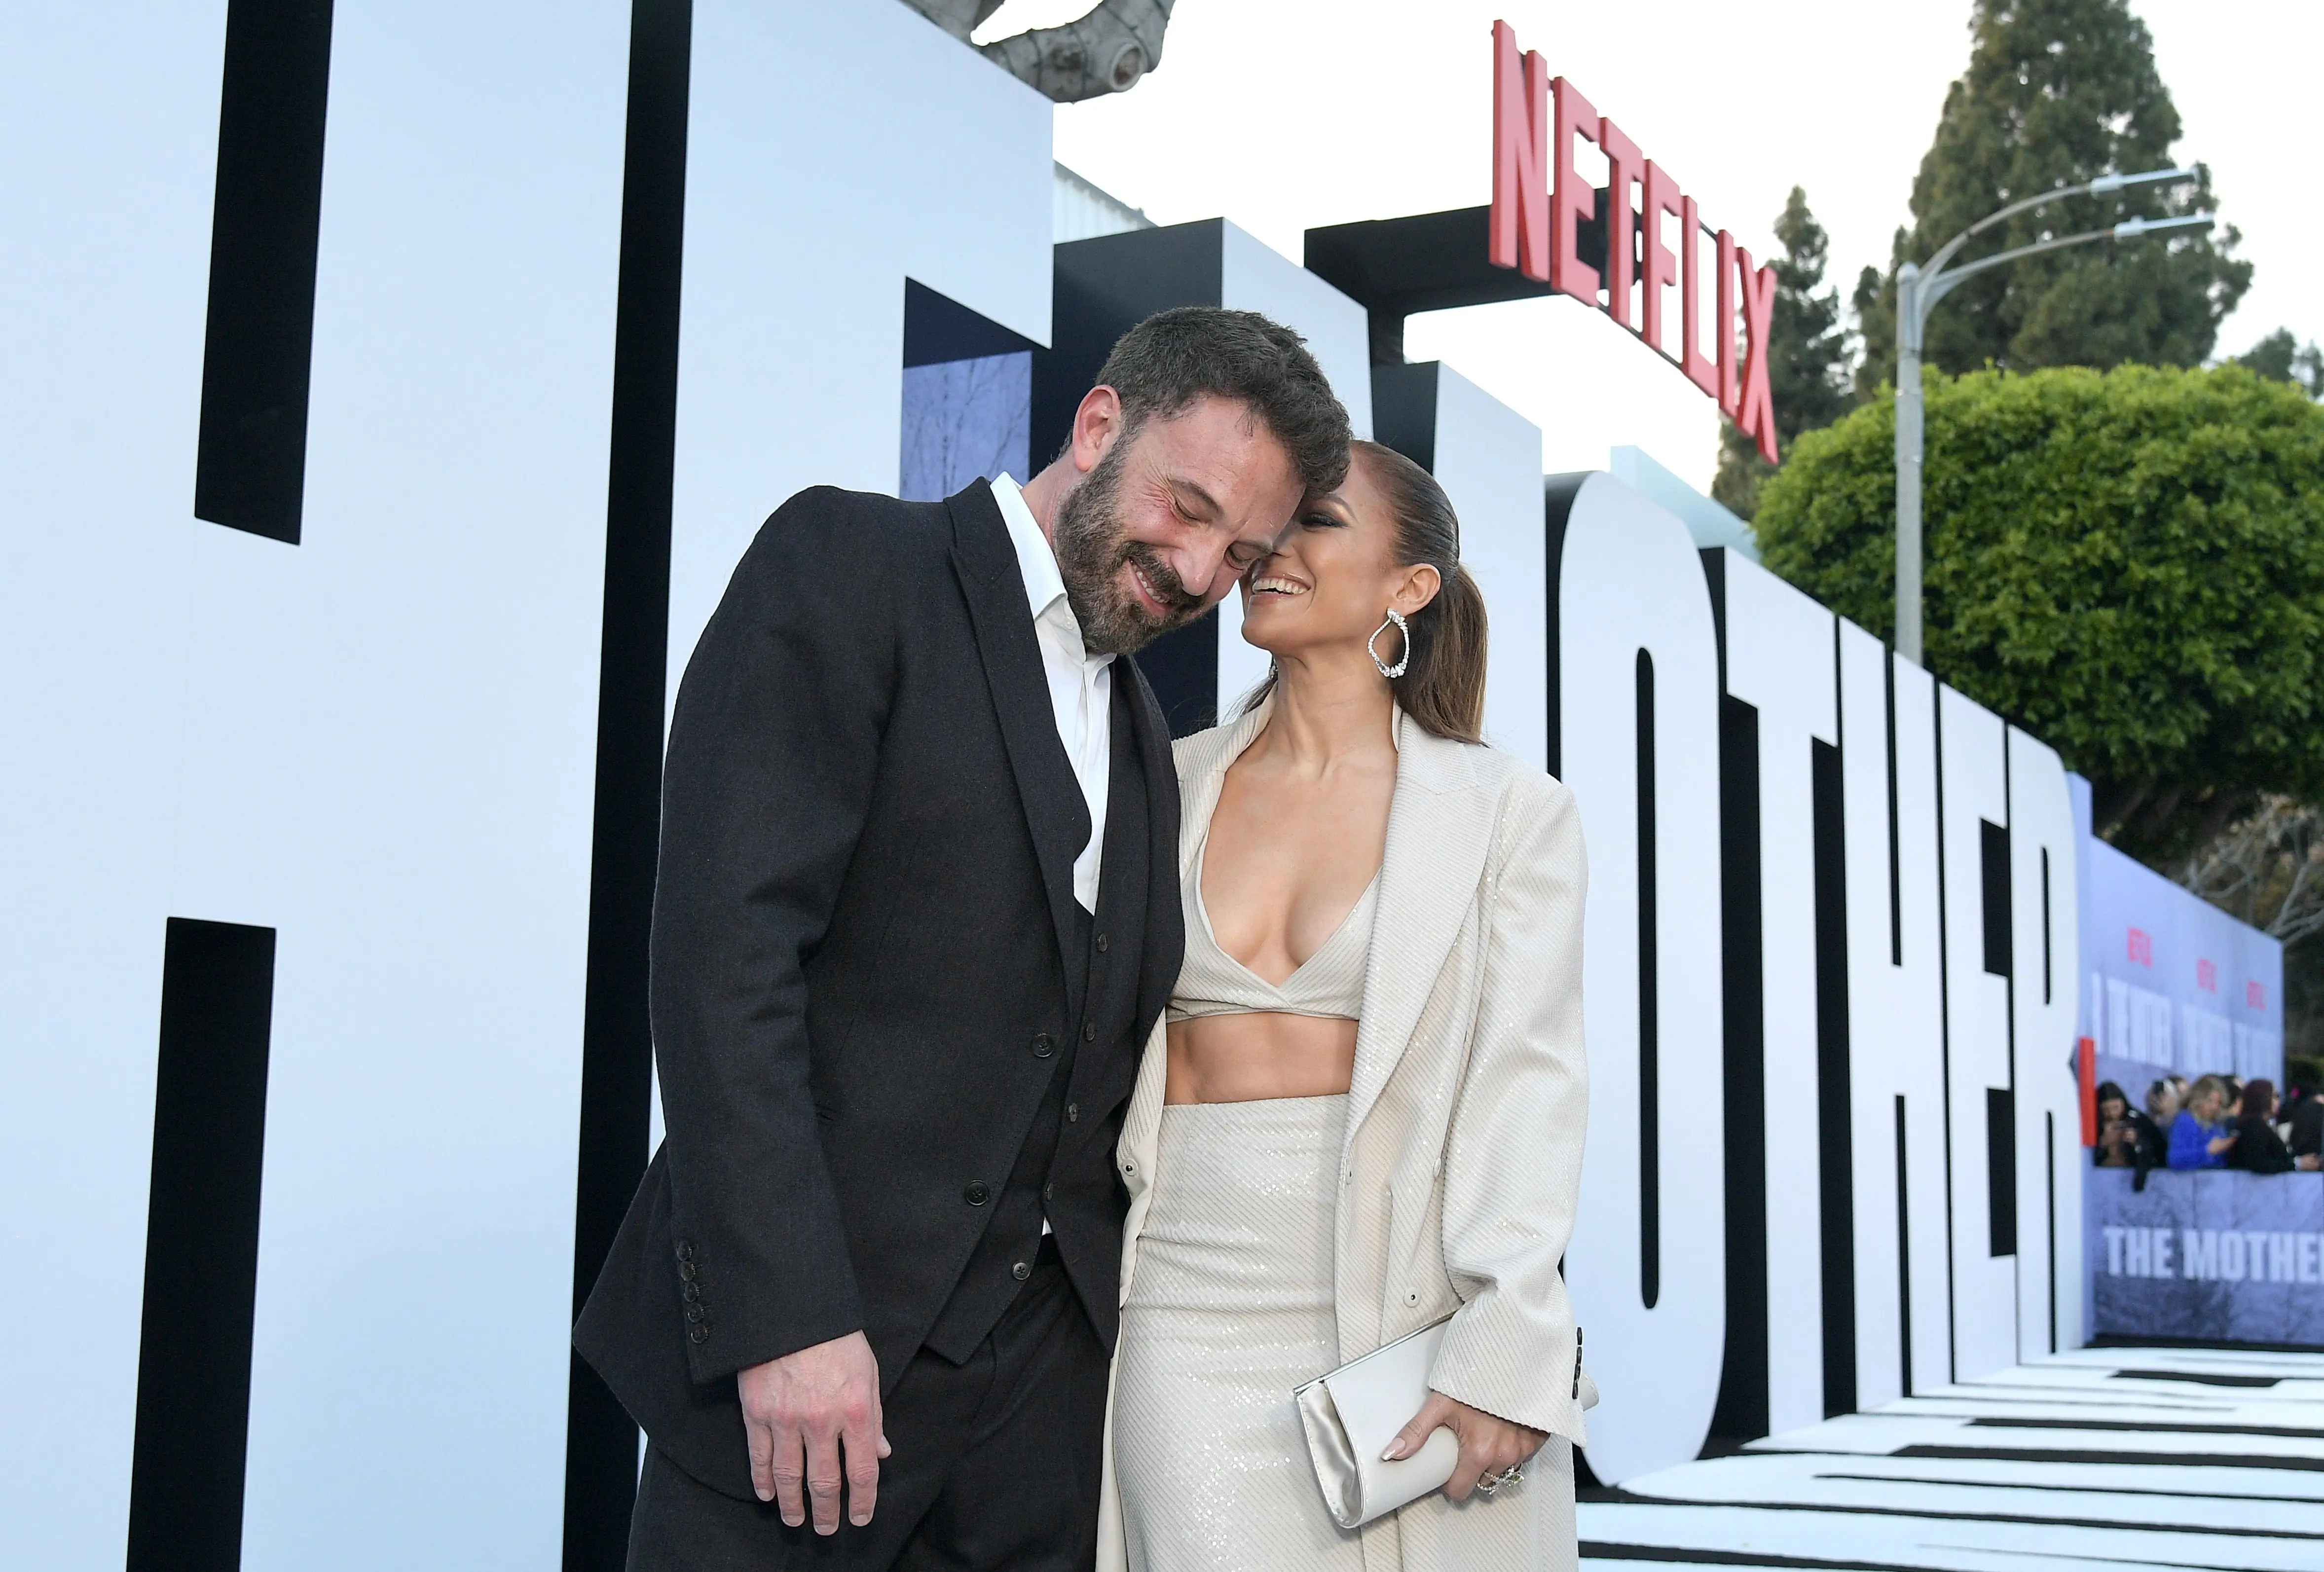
{"points": [[1081, 684]]}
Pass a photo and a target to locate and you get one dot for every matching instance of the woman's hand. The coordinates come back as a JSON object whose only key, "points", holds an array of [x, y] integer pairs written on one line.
{"points": [[1489, 1447], [2221, 1143]]}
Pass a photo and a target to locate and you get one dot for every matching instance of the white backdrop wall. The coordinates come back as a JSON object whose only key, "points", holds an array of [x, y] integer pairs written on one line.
{"points": [[1648, 1264], [1488, 458], [1780, 663], [377, 742], [1873, 1020], [2046, 934], [1917, 1029], [832, 152], [1920, 772], [1974, 792]]}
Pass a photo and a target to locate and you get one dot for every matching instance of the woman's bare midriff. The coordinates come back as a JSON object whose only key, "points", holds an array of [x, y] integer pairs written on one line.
{"points": [[1245, 1058]]}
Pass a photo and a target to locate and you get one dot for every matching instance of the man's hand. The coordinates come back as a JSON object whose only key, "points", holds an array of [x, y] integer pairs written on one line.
{"points": [[1489, 1447], [801, 1413]]}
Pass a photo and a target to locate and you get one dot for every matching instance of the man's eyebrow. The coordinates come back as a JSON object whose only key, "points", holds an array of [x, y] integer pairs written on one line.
{"points": [[1199, 494]]}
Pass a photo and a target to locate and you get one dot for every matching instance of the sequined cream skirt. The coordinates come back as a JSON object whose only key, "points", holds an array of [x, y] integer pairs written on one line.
{"points": [[1229, 1309]]}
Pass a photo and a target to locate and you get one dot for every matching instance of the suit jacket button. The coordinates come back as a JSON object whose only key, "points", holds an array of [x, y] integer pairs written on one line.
{"points": [[1101, 943], [1043, 1045], [1089, 1030], [977, 1193], [1072, 1113], [699, 1334], [1021, 1271]]}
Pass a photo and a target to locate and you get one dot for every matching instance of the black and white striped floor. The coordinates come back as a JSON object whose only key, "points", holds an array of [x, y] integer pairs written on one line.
{"points": [[2092, 1461]]}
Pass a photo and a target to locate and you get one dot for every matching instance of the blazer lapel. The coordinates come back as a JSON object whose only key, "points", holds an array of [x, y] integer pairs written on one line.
{"points": [[1165, 938], [1055, 810], [1439, 833]]}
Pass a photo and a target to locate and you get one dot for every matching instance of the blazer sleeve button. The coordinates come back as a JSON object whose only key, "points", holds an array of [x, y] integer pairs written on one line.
{"points": [[685, 1249]]}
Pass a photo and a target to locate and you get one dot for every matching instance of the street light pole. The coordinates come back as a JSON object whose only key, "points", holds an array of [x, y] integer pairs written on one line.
{"points": [[1918, 291]]}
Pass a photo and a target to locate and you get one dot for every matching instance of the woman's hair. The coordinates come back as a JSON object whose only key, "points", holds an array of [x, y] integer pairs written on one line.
{"points": [[2108, 1089], [2204, 1087], [2259, 1098], [1442, 687], [2161, 1100]]}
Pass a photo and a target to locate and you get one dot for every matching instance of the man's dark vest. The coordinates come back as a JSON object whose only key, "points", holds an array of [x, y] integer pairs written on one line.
{"points": [[1065, 1169]]}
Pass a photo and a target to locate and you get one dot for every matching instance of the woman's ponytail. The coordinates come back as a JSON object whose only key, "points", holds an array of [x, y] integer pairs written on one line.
{"points": [[1442, 687]]}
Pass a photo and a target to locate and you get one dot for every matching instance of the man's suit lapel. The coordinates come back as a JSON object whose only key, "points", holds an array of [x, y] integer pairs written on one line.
{"points": [[1164, 938], [1055, 810]]}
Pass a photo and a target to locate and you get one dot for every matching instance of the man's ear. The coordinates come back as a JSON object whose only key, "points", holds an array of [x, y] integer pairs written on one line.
{"points": [[1420, 582], [1097, 423]]}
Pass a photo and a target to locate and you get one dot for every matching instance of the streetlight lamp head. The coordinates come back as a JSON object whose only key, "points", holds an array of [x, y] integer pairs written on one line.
{"points": [[2131, 228], [2107, 184]]}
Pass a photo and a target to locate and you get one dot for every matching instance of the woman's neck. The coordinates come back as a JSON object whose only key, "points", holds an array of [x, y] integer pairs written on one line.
{"points": [[1327, 711]]}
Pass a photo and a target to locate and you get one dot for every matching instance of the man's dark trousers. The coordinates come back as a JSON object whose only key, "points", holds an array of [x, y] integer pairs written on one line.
{"points": [[890, 1043], [994, 1464]]}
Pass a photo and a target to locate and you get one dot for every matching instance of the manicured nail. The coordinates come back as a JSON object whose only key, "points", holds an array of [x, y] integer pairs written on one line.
{"points": [[1395, 1450]]}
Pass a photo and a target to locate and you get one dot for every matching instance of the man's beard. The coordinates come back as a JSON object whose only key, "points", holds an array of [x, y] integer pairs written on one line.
{"points": [[1087, 533]]}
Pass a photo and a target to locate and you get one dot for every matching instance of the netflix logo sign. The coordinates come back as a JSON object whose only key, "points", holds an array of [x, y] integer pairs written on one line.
{"points": [[1547, 224]]}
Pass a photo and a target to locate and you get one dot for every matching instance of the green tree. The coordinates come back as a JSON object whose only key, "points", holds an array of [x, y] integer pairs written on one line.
{"points": [[2279, 358], [2129, 565], [1807, 364], [2058, 92]]}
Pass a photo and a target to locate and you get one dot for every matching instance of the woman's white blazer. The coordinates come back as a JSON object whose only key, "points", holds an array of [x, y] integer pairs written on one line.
{"points": [[1466, 1113]]}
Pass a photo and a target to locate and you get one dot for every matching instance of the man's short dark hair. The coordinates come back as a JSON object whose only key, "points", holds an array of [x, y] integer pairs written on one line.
{"points": [[1174, 357]]}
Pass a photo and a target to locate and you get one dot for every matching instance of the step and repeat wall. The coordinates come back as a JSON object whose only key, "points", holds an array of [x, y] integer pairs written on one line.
{"points": [[388, 391]]}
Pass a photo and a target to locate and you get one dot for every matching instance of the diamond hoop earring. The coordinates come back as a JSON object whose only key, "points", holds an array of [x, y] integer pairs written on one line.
{"points": [[1396, 620]]}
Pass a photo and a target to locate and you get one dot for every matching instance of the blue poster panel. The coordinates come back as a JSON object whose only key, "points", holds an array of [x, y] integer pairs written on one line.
{"points": [[2216, 1256]]}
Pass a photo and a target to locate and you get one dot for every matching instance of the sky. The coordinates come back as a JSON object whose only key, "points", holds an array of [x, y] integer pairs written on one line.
{"points": [[1284, 114]]}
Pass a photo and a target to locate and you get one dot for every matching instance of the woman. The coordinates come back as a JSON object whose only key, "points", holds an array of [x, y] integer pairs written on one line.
{"points": [[2127, 1138], [2258, 1148], [1365, 1109], [2196, 1139]]}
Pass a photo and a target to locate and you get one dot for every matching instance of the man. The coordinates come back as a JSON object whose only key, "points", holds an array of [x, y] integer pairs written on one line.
{"points": [[918, 911]]}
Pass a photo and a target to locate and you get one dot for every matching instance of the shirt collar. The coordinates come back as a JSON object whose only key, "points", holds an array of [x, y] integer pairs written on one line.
{"points": [[1044, 587]]}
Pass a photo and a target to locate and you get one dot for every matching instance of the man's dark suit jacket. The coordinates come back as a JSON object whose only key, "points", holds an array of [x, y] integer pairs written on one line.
{"points": [[864, 964]]}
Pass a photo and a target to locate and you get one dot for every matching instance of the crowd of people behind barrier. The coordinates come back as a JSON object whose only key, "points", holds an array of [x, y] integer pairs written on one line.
{"points": [[2217, 1122]]}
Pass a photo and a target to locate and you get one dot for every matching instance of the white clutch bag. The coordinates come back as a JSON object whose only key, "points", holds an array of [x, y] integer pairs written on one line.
{"points": [[1353, 1413]]}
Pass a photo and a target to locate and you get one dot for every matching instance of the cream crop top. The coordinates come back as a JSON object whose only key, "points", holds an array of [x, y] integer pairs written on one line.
{"points": [[1329, 983]]}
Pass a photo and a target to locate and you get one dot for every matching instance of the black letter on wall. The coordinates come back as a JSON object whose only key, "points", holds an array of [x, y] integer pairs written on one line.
{"points": [[202, 1248], [1835, 1145], [2001, 1168], [1650, 1153], [601, 1444], [250, 468]]}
